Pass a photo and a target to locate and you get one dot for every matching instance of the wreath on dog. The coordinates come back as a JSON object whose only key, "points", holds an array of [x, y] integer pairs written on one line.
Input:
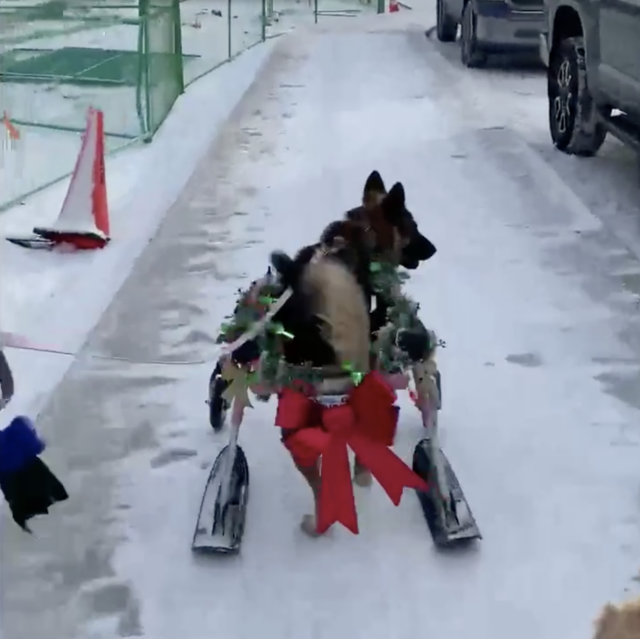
{"points": [[269, 370]]}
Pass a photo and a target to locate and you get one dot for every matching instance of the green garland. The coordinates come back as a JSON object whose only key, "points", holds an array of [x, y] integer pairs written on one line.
{"points": [[387, 282], [247, 313]]}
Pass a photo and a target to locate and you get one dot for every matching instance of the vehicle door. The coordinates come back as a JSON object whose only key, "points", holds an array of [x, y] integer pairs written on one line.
{"points": [[619, 35]]}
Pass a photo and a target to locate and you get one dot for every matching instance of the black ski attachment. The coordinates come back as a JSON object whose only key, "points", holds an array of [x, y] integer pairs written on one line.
{"points": [[447, 511], [223, 509]]}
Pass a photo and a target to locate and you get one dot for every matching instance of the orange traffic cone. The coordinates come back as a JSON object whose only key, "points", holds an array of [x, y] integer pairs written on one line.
{"points": [[14, 134], [84, 219], [83, 222]]}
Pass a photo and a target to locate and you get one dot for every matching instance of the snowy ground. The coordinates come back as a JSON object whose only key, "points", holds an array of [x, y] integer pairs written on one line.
{"points": [[141, 183], [535, 290]]}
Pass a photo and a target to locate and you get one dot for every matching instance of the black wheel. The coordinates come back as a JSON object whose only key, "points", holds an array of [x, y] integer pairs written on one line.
{"points": [[446, 26], [470, 54], [574, 122], [218, 406]]}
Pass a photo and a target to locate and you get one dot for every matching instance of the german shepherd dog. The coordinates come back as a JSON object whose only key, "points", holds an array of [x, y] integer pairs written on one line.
{"points": [[381, 227], [328, 313]]}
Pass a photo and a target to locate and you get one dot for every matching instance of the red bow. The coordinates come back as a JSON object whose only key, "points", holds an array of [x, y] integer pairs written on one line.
{"points": [[367, 424]]}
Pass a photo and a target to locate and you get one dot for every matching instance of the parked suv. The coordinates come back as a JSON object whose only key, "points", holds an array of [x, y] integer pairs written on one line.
{"points": [[490, 26], [592, 52]]}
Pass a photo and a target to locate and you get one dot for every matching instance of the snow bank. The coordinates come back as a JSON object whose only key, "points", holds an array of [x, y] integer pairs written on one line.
{"points": [[54, 300]]}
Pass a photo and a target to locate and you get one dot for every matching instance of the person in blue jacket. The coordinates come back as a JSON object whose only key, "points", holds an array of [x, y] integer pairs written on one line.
{"points": [[28, 486]]}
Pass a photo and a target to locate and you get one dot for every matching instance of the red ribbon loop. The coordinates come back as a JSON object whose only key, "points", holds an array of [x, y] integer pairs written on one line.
{"points": [[367, 424]]}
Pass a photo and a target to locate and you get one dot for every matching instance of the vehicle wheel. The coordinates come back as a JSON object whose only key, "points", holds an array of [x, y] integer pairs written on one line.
{"points": [[446, 26], [470, 54], [574, 122]]}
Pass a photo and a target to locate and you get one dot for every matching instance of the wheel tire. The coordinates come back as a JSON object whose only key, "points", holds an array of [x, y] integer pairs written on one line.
{"points": [[446, 26], [471, 55], [218, 406], [574, 122]]}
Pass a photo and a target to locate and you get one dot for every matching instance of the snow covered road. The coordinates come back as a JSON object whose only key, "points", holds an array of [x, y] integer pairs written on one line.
{"points": [[535, 296]]}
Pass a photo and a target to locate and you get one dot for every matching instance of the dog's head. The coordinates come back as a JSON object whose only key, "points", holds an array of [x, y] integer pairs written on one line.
{"points": [[394, 225]]}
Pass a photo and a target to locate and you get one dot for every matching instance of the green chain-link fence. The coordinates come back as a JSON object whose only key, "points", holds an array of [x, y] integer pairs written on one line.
{"points": [[346, 8], [214, 31], [282, 15], [131, 60]]}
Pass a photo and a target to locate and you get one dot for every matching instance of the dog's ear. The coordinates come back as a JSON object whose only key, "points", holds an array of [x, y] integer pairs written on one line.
{"points": [[393, 204], [374, 184], [288, 269]]}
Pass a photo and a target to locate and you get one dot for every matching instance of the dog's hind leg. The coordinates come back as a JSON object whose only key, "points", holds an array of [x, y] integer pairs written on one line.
{"points": [[309, 523], [361, 475]]}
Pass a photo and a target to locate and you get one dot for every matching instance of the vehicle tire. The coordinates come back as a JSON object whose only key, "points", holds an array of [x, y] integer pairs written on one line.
{"points": [[471, 55], [574, 122], [446, 26]]}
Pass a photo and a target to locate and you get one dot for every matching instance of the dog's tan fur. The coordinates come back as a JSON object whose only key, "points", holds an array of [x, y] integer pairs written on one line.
{"points": [[341, 305], [338, 301], [619, 622]]}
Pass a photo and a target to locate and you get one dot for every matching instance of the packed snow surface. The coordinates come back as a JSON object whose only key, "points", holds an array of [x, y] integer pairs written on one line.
{"points": [[534, 289]]}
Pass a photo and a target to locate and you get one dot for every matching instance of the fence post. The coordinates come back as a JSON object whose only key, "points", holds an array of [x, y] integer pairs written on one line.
{"points": [[143, 45], [177, 41], [147, 56], [264, 20], [140, 80], [229, 28], [380, 6]]}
